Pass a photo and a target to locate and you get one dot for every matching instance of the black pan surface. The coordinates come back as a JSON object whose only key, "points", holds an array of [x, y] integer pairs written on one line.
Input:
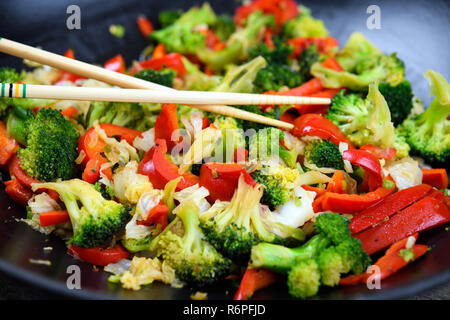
{"points": [[416, 30]]}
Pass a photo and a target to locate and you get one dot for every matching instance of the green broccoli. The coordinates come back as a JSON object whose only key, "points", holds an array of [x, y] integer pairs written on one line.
{"points": [[16, 125], [168, 17], [273, 113], [304, 26], [363, 64], [163, 77], [307, 58], [321, 260], [265, 144], [138, 245], [94, 219], [238, 44], [106, 191], [8, 75], [119, 113], [180, 36], [195, 261], [399, 99], [278, 184], [428, 134], [278, 55], [232, 135], [240, 78], [324, 154], [50, 146], [224, 26]]}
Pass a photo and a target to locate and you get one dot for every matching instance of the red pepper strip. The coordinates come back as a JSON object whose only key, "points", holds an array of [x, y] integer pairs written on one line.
{"points": [[387, 154], [69, 112], [351, 279], [171, 61], [254, 280], [18, 192], [317, 125], [205, 123], [221, 179], [324, 45], [318, 191], [166, 125], [145, 26], [67, 76], [240, 155], [50, 218], [8, 146], [353, 203], [159, 52], [160, 170], [283, 10], [99, 256], [308, 88], [156, 215], [268, 35], [211, 39], [437, 194], [16, 171], [317, 203], [332, 64], [290, 115], [388, 207], [369, 163], [425, 214], [437, 178], [338, 183], [317, 108], [116, 63]]}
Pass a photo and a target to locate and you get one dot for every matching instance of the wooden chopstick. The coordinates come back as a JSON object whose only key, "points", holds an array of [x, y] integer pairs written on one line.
{"points": [[121, 80], [148, 96]]}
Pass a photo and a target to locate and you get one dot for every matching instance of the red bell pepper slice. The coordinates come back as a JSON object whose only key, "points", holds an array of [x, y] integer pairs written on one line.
{"points": [[240, 155], [159, 52], [338, 183], [18, 192], [67, 76], [317, 108], [283, 10], [437, 178], [324, 45], [318, 126], [221, 179], [98, 255], [69, 112], [160, 170], [388, 207], [51, 218], [172, 61], [318, 191], [332, 64], [16, 171], [425, 214], [8, 146], [166, 125], [351, 279], [387, 153], [253, 280], [353, 203], [369, 163], [116, 63], [156, 215], [145, 26]]}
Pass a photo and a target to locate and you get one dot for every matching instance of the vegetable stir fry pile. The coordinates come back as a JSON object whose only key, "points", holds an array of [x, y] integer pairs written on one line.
{"points": [[169, 193]]}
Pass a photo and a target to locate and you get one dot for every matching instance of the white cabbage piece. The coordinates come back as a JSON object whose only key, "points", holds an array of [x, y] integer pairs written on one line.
{"points": [[405, 172]]}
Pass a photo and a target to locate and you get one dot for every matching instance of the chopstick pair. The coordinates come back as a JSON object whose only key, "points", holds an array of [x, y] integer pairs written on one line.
{"points": [[207, 101]]}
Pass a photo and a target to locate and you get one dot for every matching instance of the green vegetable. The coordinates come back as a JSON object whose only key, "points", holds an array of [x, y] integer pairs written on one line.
{"points": [[137, 245], [399, 99], [428, 134], [163, 77], [304, 26], [119, 113], [106, 191], [51, 146], [307, 58], [195, 261], [224, 26], [168, 17], [117, 30], [321, 260], [17, 125], [95, 220], [324, 154]]}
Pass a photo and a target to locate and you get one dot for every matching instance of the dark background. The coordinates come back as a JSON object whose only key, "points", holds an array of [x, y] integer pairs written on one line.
{"points": [[417, 30]]}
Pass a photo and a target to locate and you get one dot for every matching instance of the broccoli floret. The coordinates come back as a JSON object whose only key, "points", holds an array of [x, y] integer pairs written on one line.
{"points": [[364, 121], [17, 124], [307, 58], [304, 26], [240, 78], [238, 44], [106, 191], [180, 36], [399, 99], [363, 64], [137, 245], [224, 26], [163, 77], [94, 219], [234, 230], [275, 77], [195, 261], [277, 182], [278, 55], [428, 134], [322, 259], [9, 75], [51, 146], [232, 134], [265, 144], [304, 279], [270, 113], [168, 17], [119, 113], [324, 154]]}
